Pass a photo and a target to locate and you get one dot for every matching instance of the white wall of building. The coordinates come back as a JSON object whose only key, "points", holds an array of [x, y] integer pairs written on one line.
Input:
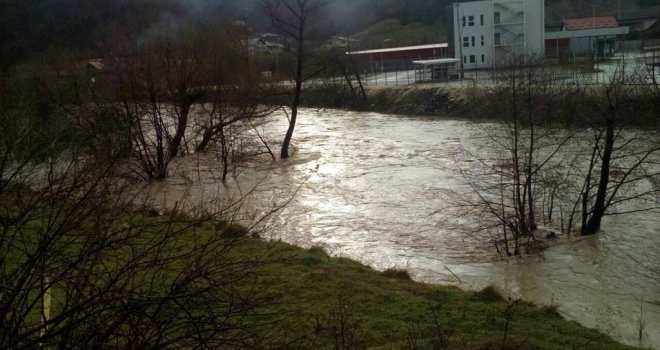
{"points": [[477, 54], [480, 42], [535, 27]]}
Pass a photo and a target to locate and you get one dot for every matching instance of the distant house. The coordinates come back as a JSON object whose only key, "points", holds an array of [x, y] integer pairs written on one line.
{"points": [[95, 64], [94, 67], [588, 34], [261, 44], [340, 42], [272, 37]]}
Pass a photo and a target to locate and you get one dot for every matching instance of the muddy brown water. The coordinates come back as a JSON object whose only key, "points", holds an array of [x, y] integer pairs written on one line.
{"points": [[365, 185]]}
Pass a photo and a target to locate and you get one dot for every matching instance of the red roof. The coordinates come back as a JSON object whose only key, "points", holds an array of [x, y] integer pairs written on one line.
{"points": [[590, 23]]}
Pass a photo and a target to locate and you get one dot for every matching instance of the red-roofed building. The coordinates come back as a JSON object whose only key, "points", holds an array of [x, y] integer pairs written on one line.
{"points": [[581, 35], [590, 23]]}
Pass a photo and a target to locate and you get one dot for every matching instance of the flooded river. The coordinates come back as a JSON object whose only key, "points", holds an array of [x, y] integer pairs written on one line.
{"points": [[366, 186]]}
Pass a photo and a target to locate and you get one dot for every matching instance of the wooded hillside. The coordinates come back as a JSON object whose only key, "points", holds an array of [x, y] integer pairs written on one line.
{"points": [[29, 27]]}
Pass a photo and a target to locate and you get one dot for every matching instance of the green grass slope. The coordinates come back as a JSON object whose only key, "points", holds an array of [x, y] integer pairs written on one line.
{"points": [[387, 310]]}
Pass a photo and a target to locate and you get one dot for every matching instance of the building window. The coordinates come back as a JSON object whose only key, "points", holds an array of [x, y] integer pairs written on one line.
{"points": [[481, 19], [482, 59], [472, 59], [496, 18], [464, 59], [466, 41], [463, 21], [498, 38], [471, 21], [473, 41], [482, 40]]}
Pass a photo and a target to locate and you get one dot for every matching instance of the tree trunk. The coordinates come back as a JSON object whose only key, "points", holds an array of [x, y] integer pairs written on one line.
{"points": [[593, 223], [289, 133], [206, 139], [531, 219], [224, 154], [182, 123], [518, 195], [296, 94]]}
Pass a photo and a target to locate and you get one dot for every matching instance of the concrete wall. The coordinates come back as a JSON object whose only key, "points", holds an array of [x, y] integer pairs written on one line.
{"points": [[482, 54], [521, 31], [535, 27]]}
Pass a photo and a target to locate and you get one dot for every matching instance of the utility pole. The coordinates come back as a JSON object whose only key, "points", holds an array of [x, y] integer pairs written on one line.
{"points": [[460, 40]]}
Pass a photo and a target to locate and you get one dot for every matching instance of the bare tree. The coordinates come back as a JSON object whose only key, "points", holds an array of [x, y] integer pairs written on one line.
{"points": [[509, 172], [237, 96], [153, 87], [294, 19], [532, 165], [344, 68], [623, 161], [84, 264]]}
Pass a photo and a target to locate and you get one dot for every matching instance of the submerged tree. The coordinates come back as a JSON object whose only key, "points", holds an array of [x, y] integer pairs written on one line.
{"points": [[622, 170], [506, 177], [589, 151], [294, 18], [84, 264], [153, 86], [237, 96]]}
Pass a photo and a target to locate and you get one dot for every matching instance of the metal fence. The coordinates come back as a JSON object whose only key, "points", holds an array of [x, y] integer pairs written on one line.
{"points": [[575, 68], [636, 45]]}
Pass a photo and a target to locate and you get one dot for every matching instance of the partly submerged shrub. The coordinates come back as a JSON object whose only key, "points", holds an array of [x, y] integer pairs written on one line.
{"points": [[231, 230], [490, 293], [397, 273]]}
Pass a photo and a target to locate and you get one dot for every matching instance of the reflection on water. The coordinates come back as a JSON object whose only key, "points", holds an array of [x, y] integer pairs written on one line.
{"points": [[366, 185]]}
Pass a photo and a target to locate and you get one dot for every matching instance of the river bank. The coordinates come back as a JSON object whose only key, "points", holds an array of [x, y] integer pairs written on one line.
{"points": [[340, 301], [273, 295], [483, 102], [420, 100]]}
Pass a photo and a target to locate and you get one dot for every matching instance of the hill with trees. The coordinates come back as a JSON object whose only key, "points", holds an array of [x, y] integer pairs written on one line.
{"points": [[31, 27]]}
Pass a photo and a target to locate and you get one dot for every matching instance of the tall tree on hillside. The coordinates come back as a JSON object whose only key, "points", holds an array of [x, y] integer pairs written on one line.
{"points": [[293, 18]]}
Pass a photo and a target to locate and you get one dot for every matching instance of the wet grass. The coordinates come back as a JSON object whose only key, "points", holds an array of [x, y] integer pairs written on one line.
{"points": [[385, 312]]}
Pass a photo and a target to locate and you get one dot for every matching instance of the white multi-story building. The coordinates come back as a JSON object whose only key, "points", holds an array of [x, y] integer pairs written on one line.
{"points": [[488, 32]]}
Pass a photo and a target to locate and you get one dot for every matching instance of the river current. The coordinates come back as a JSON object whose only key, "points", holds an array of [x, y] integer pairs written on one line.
{"points": [[366, 186]]}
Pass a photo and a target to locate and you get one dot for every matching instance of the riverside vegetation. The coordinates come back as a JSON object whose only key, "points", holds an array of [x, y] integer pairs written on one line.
{"points": [[84, 263], [285, 297]]}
